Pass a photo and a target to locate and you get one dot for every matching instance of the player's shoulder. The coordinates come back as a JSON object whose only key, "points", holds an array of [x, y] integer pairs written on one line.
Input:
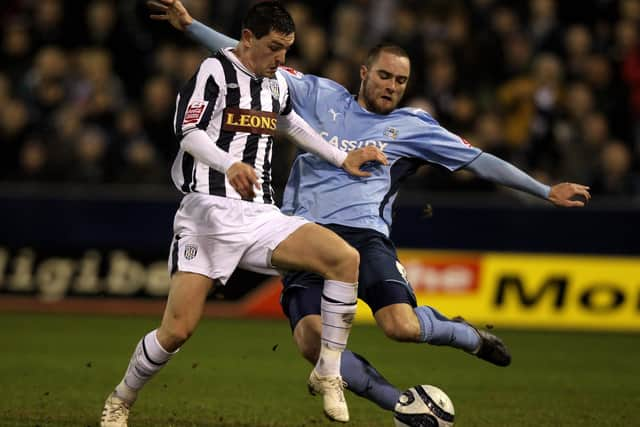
{"points": [[289, 72], [416, 114], [295, 77], [212, 65]]}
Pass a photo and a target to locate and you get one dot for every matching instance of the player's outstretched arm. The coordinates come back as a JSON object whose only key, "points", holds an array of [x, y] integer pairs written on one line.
{"points": [[178, 16], [564, 195], [496, 170], [309, 140], [172, 11]]}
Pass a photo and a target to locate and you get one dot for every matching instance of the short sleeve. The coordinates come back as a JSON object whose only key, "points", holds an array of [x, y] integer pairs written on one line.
{"points": [[433, 143], [300, 86], [197, 99]]}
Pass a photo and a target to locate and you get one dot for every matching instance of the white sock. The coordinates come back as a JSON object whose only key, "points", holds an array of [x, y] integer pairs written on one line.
{"points": [[338, 308], [148, 358], [328, 362]]}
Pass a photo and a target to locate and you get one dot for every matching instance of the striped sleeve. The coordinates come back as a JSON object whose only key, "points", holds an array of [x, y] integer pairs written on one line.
{"points": [[197, 99]]}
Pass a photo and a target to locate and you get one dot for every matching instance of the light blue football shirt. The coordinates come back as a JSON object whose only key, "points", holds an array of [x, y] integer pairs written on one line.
{"points": [[409, 137]]}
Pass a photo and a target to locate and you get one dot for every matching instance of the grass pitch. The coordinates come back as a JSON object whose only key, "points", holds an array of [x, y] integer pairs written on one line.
{"points": [[56, 371]]}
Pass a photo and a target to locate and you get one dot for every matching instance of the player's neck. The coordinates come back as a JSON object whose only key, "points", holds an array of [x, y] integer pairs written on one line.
{"points": [[243, 56], [361, 102]]}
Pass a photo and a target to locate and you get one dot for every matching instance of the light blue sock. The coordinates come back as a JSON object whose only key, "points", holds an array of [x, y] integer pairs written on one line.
{"points": [[437, 329], [365, 381]]}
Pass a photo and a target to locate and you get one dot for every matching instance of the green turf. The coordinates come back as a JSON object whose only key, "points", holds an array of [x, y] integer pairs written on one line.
{"points": [[57, 370]]}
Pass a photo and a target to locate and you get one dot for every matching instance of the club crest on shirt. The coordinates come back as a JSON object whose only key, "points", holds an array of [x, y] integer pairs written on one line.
{"points": [[194, 112], [275, 88], [190, 251], [391, 132]]}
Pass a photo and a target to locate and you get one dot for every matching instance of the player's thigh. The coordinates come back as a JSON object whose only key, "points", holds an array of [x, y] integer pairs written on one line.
{"points": [[382, 279], [185, 303], [314, 248], [269, 229]]}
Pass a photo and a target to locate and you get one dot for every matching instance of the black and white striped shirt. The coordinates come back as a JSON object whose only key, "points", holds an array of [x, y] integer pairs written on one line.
{"points": [[239, 113]]}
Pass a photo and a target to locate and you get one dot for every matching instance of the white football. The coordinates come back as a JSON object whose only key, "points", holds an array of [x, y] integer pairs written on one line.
{"points": [[423, 406]]}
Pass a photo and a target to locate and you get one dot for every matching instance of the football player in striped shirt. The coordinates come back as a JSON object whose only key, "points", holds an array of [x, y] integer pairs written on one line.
{"points": [[225, 119]]}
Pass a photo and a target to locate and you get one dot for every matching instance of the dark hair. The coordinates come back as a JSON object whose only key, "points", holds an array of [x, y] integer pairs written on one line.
{"points": [[266, 16], [394, 49]]}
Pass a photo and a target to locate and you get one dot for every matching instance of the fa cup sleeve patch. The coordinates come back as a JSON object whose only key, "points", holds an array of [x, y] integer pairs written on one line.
{"points": [[194, 112]]}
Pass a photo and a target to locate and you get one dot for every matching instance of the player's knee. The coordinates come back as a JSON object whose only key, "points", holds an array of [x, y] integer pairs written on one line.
{"points": [[345, 264], [172, 338], [401, 329]]}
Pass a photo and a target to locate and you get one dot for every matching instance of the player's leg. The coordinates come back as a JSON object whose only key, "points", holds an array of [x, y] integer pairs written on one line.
{"points": [[402, 322], [315, 248], [196, 258], [183, 310], [187, 295], [301, 304], [293, 243], [384, 287]]}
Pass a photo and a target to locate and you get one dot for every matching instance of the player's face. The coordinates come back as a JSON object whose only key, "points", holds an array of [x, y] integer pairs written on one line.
{"points": [[384, 83], [268, 53]]}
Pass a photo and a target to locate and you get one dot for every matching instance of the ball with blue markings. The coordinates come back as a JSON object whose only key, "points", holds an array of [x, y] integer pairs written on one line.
{"points": [[423, 406]]}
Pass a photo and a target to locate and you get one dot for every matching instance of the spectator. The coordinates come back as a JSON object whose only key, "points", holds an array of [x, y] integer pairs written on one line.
{"points": [[614, 175], [157, 115], [90, 155], [550, 86]]}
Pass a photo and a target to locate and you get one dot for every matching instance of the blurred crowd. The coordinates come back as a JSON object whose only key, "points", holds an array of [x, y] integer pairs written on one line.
{"points": [[87, 89]]}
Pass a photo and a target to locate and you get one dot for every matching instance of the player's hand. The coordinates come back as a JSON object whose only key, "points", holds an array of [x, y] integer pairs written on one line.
{"points": [[243, 179], [356, 158], [564, 195], [172, 11]]}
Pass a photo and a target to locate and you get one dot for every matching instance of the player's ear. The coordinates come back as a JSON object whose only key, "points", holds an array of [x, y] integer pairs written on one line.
{"points": [[363, 72], [247, 38]]}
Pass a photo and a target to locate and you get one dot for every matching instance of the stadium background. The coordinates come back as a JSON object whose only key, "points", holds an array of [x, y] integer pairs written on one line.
{"points": [[87, 93]]}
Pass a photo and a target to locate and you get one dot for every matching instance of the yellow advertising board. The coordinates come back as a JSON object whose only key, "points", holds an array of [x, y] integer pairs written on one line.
{"points": [[527, 290]]}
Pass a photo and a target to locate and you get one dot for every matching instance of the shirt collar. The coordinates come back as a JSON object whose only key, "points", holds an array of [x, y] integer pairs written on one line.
{"points": [[231, 56]]}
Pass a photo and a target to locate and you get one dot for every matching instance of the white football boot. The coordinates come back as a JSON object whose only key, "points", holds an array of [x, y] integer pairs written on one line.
{"points": [[332, 391], [115, 412]]}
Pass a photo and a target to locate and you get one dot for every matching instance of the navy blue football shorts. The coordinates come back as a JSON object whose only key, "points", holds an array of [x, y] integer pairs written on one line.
{"points": [[382, 280]]}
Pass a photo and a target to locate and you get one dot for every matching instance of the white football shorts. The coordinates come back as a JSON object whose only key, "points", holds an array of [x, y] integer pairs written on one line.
{"points": [[213, 235]]}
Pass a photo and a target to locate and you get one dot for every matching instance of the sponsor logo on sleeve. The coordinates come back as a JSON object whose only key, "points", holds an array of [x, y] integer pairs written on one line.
{"points": [[194, 112]]}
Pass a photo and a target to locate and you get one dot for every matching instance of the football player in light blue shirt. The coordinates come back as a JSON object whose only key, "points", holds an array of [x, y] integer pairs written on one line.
{"points": [[359, 210]]}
